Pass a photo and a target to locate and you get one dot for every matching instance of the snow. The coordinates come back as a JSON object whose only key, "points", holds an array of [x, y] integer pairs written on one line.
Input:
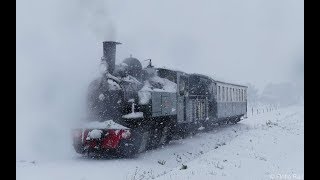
{"points": [[131, 79], [123, 64], [110, 76], [145, 92], [168, 86], [113, 85], [133, 115], [144, 97], [264, 146], [109, 124], [101, 97], [94, 134], [269, 148]]}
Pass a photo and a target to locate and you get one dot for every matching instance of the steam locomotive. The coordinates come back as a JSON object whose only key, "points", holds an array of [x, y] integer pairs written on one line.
{"points": [[132, 109]]}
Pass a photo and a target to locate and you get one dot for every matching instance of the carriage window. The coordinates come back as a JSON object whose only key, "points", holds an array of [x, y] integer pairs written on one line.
{"points": [[241, 94], [182, 86], [223, 95], [232, 94], [245, 95], [236, 98], [227, 94], [218, 93], [238, 95]]}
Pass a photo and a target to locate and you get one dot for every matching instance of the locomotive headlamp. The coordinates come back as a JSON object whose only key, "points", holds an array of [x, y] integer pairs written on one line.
{"points": [[126, 134]]}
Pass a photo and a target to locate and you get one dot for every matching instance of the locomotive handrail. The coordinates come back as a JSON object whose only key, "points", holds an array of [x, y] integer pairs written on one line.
{"points": [[198, 96]]}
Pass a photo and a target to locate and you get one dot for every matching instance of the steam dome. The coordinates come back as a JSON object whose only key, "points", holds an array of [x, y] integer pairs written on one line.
{"points": [[134, 66]]}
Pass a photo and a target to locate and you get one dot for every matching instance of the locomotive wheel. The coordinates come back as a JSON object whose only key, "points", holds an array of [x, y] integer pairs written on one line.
{"points": [[143, 141], [155, 137], [168, 132], [136, 144], [236, 120], [127, 149], [165, 137], [221, 123], [208, 126]]}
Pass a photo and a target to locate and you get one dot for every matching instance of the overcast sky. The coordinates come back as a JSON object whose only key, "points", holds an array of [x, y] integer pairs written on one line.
{"points": [[59, 44], [256, 41]]}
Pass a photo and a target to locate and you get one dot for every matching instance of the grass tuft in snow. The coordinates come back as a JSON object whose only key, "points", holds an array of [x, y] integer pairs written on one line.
{"points": [[162, 162], [218, 165], [271, 124], [183, 167]]}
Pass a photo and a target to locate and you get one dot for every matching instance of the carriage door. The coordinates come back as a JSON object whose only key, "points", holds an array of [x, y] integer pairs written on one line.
{"points": [[182, 101]]}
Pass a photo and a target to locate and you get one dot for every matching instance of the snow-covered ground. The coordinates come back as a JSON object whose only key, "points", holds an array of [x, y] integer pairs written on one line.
{"points": [[264, 146]]}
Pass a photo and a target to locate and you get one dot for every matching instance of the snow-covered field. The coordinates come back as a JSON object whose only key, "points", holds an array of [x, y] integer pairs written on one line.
{"points": [[263, 146]]}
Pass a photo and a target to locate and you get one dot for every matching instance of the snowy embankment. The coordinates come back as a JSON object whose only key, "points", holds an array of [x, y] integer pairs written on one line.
{"points": [[263, 146]]}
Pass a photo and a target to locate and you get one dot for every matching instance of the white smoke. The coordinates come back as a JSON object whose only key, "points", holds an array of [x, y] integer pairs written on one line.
{"points": [[59, 46], [97, 18]]}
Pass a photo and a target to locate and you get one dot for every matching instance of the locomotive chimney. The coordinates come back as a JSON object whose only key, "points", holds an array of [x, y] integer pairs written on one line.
{"points": [[109, 54]]}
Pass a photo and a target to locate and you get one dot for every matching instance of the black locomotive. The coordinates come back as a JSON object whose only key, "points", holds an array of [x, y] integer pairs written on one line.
{"points": [[132, 109]]}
